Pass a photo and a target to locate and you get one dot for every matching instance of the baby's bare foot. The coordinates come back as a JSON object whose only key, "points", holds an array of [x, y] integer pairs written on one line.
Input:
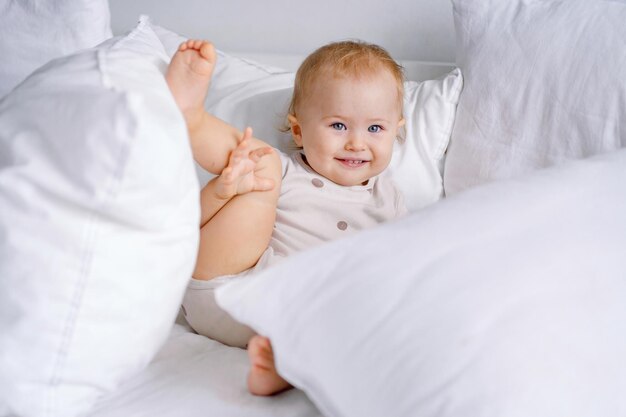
{"points": [[189, 74], [263, 378]]}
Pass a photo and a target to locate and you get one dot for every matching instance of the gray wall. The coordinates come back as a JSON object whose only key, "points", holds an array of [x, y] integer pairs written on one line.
{"points": [[409, 29]]}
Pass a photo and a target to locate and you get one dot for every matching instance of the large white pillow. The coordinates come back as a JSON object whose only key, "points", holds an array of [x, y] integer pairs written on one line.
{"points": [[544, 82], [246, 93], [32, 32], [99, 224], [504, 301]]}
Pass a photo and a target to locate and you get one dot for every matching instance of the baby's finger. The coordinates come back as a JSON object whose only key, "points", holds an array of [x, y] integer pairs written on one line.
{"points": [[243, 146], [239, 153], [247, 134], [227, 174], [263, 184], [257, 154], [234, 160]]}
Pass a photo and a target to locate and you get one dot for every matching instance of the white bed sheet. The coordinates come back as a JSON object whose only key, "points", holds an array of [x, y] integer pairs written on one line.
{"points": [[196, 376]]}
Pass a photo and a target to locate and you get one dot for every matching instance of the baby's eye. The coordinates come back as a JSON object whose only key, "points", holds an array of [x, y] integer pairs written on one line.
{"points": [[338, 126], [374, 128]]}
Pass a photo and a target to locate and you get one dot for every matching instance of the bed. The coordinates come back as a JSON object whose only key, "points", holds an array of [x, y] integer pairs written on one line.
{"points": [[501, 294]]}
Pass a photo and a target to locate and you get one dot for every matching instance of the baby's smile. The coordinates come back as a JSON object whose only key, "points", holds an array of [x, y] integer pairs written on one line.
{"points": [[352, 163]]}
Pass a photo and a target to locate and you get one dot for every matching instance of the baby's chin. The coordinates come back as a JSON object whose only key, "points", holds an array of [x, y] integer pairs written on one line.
{"points": [[350, 182]]}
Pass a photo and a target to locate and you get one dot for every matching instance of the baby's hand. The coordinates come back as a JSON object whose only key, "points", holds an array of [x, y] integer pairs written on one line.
{"points": [[240, 175]]}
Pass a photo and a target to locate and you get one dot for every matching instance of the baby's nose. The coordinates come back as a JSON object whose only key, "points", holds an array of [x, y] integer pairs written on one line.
{"points": [[355, 143]]}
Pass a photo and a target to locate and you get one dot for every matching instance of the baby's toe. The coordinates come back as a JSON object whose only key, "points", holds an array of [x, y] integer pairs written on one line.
{"points": [[207, 50]]}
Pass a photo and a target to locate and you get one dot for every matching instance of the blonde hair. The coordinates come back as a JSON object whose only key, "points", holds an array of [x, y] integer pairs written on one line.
{"points": [[346, 58]]}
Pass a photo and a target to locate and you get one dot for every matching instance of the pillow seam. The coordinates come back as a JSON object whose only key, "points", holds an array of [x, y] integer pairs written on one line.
{"points": [[92, 228], [441, 149]]}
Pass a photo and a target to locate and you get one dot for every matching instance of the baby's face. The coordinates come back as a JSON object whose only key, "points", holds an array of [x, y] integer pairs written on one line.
{"points": [[347, 126]]}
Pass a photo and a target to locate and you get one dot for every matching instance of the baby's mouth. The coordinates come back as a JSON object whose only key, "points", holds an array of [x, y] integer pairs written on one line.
{"points": [[352, 163]]}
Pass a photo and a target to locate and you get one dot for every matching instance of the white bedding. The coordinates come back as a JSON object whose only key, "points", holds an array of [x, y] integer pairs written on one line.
{"points": [[507, 300], [571, 224], [102, 326], [193, 376], [493, 286]]}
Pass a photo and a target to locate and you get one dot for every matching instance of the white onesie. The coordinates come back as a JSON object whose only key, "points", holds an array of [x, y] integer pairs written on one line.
{"points": [[311, 210]]}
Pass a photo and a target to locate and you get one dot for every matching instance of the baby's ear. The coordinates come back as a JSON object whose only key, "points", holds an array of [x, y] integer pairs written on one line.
{"points": [[296, 130], [402, 122]]}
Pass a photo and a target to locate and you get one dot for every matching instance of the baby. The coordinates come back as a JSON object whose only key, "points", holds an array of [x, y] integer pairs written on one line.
{"points": [[345, 115]]}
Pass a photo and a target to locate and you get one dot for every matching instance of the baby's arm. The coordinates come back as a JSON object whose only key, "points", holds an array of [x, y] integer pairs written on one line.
{"points": [[238, 178]]}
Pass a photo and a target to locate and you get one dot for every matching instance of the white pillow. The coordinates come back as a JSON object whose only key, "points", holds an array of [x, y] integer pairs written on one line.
{"points": [[544, 82], [246, 93], [99, 225], [471, 307], [35, 31], [417, 163]]}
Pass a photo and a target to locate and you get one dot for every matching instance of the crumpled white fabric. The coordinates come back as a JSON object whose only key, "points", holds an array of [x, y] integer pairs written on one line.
{"points": [[544, 83], [32, 32]]}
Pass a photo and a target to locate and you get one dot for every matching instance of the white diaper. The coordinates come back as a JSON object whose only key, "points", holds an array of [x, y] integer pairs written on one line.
{"points": [[207, 318]]}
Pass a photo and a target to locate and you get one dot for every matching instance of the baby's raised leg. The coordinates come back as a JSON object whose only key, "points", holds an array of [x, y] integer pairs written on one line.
{"points": [[239, 230], [188, 77], [263, 378]]}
